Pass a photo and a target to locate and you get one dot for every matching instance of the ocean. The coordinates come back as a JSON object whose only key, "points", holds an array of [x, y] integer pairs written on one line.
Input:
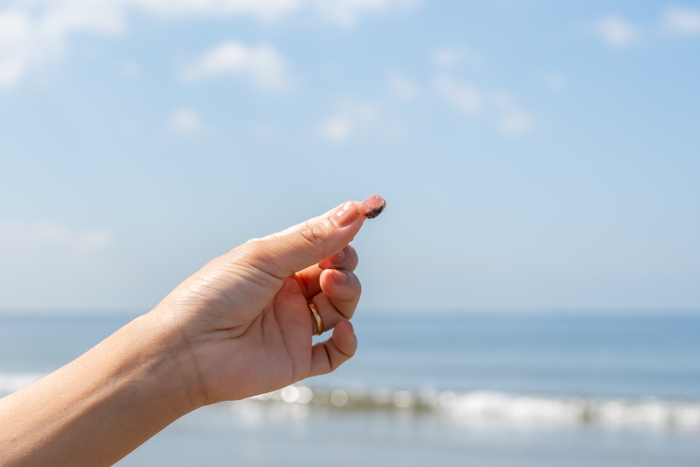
{"points": [[496, 389]]}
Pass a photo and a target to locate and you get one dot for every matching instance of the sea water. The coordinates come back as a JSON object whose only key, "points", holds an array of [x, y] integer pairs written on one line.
{"points": [[435, 388]]}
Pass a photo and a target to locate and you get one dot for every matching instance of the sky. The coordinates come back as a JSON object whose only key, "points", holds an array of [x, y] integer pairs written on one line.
{"points": [[536, 155]]}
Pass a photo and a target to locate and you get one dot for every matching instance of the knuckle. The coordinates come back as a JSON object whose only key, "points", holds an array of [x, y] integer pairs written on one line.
{"points": [[313, 233], [251, 245], [251, 250], [255, 255]]}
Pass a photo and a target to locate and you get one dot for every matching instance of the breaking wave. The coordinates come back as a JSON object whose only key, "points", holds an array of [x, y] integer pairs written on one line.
{"points": [[476, 407], [487, 407]]}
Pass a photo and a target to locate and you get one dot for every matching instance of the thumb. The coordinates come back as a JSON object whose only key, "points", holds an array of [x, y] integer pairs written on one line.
{"points": [[305, 244]]}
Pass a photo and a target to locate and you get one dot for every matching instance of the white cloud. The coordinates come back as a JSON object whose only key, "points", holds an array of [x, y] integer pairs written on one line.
{"points": [[14, 31], [36, 31], [346, 12], [262, 9], [335, 129], [20, 237], [400, 86], [684, 21], [351, 119], [185, 122], [447, 57], [28, 38], [516, 123], [471, 102], [616, 32], [262, 65], [512, 120], [463, 96]]}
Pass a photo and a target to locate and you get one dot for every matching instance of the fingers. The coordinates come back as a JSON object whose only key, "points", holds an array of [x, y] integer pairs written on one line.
{"points": [[306, 244], [328, 355], [337, 303], [346, 258], [342, 289], [309, 278]]}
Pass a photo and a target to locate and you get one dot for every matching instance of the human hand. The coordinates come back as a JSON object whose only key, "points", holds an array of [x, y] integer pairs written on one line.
{"points": [[240, 326], [244, 318]]}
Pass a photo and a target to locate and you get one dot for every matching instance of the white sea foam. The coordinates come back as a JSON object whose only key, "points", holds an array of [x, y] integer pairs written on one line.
{"points": [[488, 407], [477, 407], [612, 413], [514, 409]]}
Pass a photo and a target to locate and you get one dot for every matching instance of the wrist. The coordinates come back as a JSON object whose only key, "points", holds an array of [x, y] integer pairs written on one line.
{"points": [[140, 377], [173, 367]]}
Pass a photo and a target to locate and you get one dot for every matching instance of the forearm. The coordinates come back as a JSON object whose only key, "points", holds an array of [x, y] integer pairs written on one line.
{"points": [[103, 405]]}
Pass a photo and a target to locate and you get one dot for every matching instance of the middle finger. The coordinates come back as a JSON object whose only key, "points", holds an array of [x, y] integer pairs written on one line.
{"points": [[309, 278]]}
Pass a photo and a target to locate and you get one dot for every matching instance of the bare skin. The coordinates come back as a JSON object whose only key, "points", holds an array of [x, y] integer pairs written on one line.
{"points": [[239, 327]]}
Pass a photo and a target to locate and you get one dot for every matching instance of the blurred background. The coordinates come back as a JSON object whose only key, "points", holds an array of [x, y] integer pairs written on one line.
{"points": [[531, 296]]}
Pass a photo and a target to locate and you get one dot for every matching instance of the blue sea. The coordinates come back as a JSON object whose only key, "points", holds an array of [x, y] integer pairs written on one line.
{"points": [[481, 389]]}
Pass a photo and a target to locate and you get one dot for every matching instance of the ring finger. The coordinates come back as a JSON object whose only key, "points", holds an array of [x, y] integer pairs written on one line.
{"points": [[338, 301]]}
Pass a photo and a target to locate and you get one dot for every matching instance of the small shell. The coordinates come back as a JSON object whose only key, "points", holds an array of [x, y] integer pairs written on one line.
{"points": [[373, 206]]}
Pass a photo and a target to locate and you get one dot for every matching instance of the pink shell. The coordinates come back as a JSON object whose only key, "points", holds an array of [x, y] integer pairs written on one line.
{"points": [[373, 206]]}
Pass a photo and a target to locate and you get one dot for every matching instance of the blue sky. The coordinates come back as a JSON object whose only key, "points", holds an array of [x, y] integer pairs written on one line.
{"points": [[535, 155]]}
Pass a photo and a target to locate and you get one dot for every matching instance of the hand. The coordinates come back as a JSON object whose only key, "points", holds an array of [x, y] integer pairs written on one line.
{"points": [[239, 327], [244, 317]]}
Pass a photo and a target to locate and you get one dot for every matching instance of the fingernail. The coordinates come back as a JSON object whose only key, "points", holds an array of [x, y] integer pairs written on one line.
{"points": [[346, 215], [373, 206], [338, 257], [340, 277]]}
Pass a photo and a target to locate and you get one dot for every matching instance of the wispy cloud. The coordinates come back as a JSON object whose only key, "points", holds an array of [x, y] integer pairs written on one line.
{"points": [[265, 10], [346, 12], [19, 237], [36, 31], [350, 119], [447, 57], [400, 86], [684, 21], [516, 123], [619, 33], [472, 102], [451, 57], [262, 65], [185, 122], [616, 32], [336, 129], [463, 96], [27, 38], [512, 120]]}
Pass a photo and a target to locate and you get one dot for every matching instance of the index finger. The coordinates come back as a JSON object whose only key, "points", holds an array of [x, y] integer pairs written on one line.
{"points": [[294, 249]]}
